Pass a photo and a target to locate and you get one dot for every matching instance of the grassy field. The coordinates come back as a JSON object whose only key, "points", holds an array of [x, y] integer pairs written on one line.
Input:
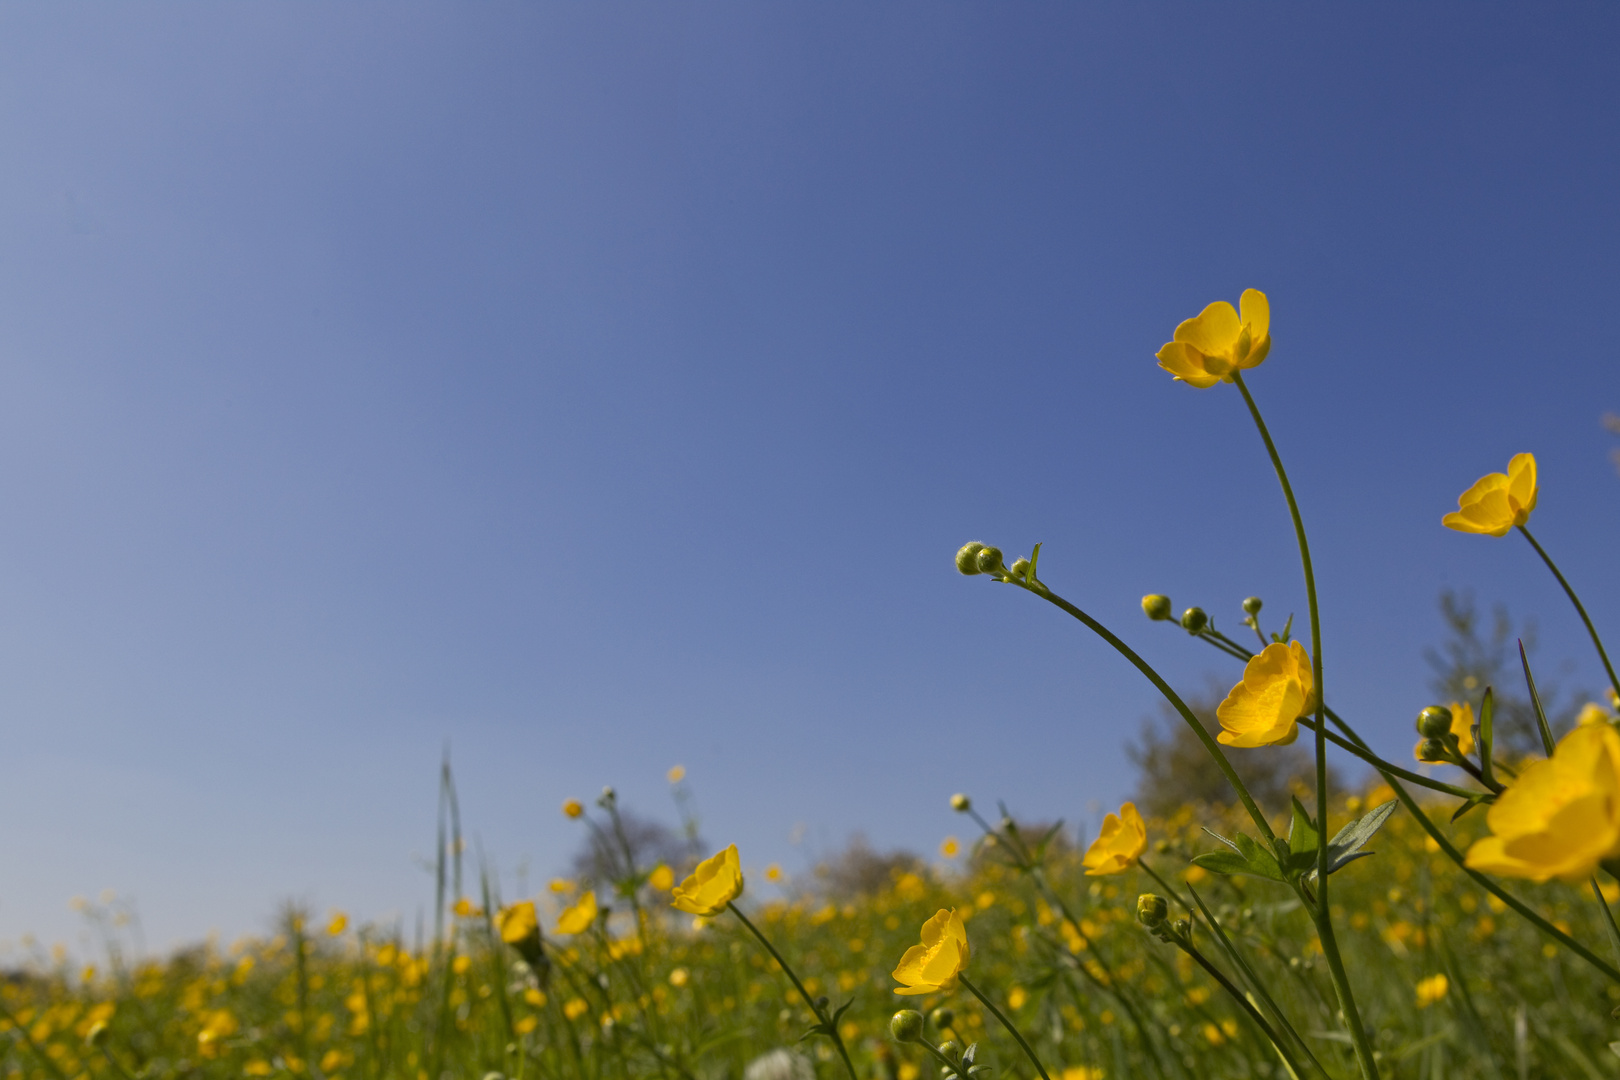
{"points": [[1451, 983]]}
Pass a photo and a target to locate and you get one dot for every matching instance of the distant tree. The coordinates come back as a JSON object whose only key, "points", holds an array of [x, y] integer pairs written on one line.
{"points": [[1472, 658], [1174, 769], [602, 859], [860, 870]]}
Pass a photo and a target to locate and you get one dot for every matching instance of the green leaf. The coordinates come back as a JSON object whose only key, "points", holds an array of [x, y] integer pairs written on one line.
{"points": [[1470, 804], [1222, 839], [1303, 839], [1223, 862], [1535, 699], [1346, 845], [1034, 561], [1485, 735]]}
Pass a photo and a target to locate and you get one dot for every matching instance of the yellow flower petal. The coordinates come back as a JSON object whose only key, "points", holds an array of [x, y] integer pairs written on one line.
{"points": [[1120, 842], [714, 883], [578, 918], [1256, 313], [1214, 330]]}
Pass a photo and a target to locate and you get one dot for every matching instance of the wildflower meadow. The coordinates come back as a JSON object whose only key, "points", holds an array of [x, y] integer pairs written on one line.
{"points": [[1450, 917]]}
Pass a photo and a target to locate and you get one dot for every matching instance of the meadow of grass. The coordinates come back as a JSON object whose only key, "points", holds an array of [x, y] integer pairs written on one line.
{"points": [[1451, 984]]}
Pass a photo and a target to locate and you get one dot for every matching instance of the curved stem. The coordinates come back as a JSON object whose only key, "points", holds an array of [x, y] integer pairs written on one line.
{"points": [[1580, 608], [820, 1014], [1377, 762], [1170, 695], [1029, 1051], [1324, 916], [1243, 1001]]}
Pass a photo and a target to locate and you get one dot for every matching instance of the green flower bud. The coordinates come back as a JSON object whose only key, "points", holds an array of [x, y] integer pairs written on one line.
{"points": [[1431, 750], [1152, 910], [1182, 927], [989, 560], [950, 1049], [906, 1026], [1156, 607], [942, 1017], [97, 1035], [961, 803], [967, 558], [1434, 721], [1020, 568], [1193, 620], [1252, 606]]}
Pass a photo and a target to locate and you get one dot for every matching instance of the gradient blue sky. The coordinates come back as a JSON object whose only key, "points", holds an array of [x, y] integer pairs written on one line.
{"points": [[598, 387]]}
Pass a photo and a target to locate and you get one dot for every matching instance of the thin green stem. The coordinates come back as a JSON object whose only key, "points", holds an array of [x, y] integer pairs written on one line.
{"points": [[815, 1007], [1580, 608], [1165, 885], [1608, 916], [1029, 1051], [1377, 762], [1242, 1000], [1170, 695], [1324, 916]]}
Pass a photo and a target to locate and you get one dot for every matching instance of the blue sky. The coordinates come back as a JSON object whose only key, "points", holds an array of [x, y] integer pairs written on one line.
{"points": [[601, 387]]}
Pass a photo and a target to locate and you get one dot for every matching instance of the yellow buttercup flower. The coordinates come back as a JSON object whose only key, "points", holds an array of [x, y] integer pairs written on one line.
{"points": [[573, 808], [1220, 341], [1120, 843], [677, 774], [1462, 726], [1431, 990], [934, 965], [1562, 816], [662, 878], [578, 918], [339, 923], [716, 882], [1498, 501], [517, 921], [1593, 713], [1277, 689]]}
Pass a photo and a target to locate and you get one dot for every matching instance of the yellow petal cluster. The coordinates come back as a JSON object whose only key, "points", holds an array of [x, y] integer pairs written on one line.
{"points": [[716, 882], [1498, 501], [1220, 341], [934, 965], [1277, 689], [1119, 844], [1562, 816], [517, 922], [578, 918]]}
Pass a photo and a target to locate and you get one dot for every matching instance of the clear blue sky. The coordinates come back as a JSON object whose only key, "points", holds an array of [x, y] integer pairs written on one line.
{"points": [[598, 387]]}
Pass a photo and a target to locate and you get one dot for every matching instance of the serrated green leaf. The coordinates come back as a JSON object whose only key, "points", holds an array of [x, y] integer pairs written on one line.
{"points": [[1303, 835], [1346, 845], [1262, 863], [1222, 839], [1222, 862]]}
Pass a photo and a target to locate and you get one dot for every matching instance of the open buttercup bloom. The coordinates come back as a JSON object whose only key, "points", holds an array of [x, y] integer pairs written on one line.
{"points": [[1277, 689], [1119, 844], [716, 882], [577, 919], [1561, 818], [517, 921], [1498, 501], [1220, 341], [934, 965]]}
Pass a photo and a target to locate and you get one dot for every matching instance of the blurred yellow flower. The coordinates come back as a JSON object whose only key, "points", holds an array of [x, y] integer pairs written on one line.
{"points": [[1593, 713], [677, 774], [466, 909], [1431, 990], [561, 885], [573, 808], [662, 878], [934, 965], [716, 882], [773, 872], [1120, 843], [1277, 689], [1082, 1072], [1462, 726], [1562, 816], [339, 923], [1497, 501], [1220, 342], [678, 977], [578, 918], [576, 1009], [517, 921], [949, 847]]}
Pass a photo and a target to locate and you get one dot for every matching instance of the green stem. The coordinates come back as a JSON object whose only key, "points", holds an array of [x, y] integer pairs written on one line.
{"points": [[1029, 1051], [1379, 763], [820, 1013], [1170, 695], [1580, 609], [1165, 885], [1324, 916], [1242, 1000]]}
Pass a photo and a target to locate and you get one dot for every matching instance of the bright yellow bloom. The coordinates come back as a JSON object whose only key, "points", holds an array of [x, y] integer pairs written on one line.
{"points": [[949, 847], [1497, 501], [466, 909], [573, 808], [1593, 713], [1120, 843], [1220, 342], [662, 878], [1562, 816], [935, 964], [677, 774], [578, 918], [1431, 990], [716, 882], [773, 872], [1277, 689], [517, 921], [339, 923]]}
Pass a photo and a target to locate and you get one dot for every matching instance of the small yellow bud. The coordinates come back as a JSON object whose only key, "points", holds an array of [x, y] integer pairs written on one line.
{"points": [[1193, 620], [989, 560], [906, 1026], [1434, 721], [961, 803], [1251, 606], [1156, 607], [1151, 910], [967, 558], [1020, 568]]}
